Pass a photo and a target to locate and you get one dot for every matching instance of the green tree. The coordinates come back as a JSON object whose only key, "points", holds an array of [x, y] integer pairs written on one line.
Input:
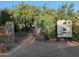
{"points": [[4, 16], [23, 15], [46, 21], [28, 16]]}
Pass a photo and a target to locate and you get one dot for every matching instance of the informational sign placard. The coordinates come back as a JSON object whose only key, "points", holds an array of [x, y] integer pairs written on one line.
{"points": [[64, 28]]}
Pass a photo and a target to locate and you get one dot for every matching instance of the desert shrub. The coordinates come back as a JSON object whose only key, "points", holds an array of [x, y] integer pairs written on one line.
{"points": [[75, 29], [47, 24], [27, 16]]}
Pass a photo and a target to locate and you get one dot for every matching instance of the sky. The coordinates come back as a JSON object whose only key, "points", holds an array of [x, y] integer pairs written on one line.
{"points": [[51, 4]]}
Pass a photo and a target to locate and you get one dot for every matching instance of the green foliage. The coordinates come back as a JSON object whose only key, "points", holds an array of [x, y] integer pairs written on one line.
{"points": [[4, 16], [23, 15], [46, 21], [48, 27], [29, 16], [76, 26]]}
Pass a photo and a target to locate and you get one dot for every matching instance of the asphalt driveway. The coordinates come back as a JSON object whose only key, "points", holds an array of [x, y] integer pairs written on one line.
{"points": [[48, 49]]}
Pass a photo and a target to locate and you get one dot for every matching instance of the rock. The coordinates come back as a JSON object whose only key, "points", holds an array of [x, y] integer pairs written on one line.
{"points": [[9, 29], [3, 47]]}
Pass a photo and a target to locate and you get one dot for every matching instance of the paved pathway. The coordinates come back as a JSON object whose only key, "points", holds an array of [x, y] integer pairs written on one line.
{"points": [[48, 49]]}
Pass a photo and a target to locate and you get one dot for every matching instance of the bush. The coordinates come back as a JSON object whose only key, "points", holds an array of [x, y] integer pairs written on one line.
{"points": [[75, 29], [47, 25]]}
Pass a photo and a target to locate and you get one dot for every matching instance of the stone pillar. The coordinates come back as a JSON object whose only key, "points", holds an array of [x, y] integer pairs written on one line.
{"points": [[9, 29]]}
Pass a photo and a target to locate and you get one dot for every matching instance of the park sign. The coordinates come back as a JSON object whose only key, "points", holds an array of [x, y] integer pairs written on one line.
{"points": [[64, 28]]}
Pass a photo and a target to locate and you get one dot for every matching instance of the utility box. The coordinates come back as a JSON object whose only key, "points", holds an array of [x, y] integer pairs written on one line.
{"points": [[64, 28]]}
